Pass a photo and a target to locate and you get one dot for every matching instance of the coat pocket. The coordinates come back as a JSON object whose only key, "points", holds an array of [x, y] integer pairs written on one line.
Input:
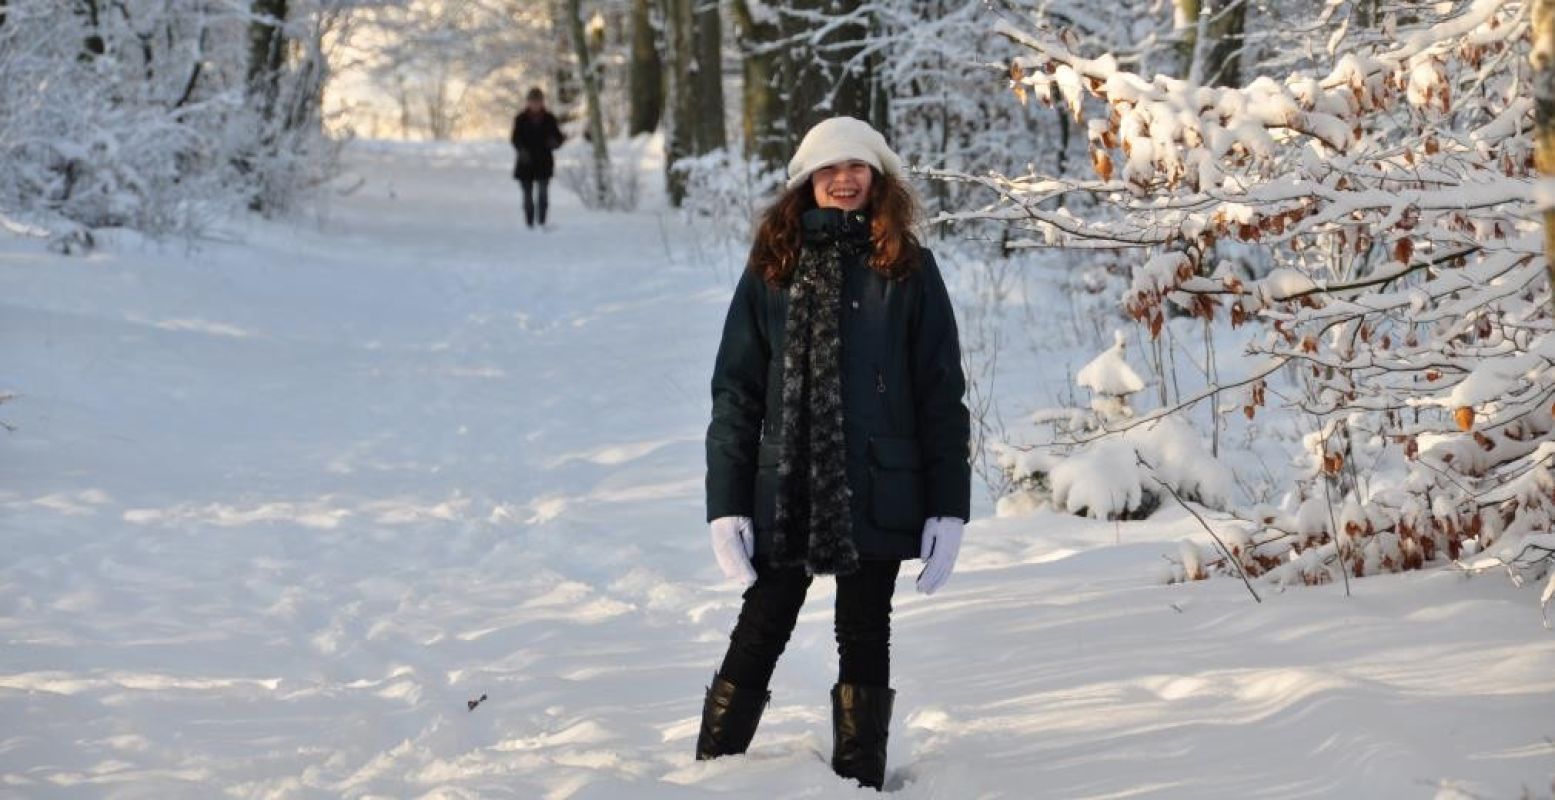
{"points": [[765, 512], [896, 483]]}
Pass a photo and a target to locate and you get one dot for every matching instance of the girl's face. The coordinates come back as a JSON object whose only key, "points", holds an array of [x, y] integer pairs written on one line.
{"points": [[844, 185]]}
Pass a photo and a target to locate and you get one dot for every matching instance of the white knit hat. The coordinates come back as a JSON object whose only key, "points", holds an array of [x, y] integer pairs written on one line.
{"points": [[840, 139]]}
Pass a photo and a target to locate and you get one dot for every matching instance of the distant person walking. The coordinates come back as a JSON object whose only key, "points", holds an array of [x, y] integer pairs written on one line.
{"points": [[535, 135], [839, 440]]}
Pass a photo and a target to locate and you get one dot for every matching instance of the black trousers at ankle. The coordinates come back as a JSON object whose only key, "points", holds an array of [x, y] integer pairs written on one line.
{"points": [[530, 207], [863, 624]]}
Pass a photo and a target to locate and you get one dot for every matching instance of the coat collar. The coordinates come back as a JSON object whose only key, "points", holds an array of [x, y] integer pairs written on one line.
{"points": [[826, 225]]}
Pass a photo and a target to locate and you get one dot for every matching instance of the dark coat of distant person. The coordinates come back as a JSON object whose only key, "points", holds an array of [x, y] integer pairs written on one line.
{"points": [[534, 137]]}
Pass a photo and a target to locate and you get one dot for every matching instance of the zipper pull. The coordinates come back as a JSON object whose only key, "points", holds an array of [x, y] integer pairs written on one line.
{"points": [[880, 381]]}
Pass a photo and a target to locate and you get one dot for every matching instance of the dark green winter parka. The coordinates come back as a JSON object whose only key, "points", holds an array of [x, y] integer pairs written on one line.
{"points": [[906, 428]]}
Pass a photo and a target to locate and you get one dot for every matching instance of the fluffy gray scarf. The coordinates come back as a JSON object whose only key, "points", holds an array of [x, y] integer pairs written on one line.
{"points": [[814, 520]]}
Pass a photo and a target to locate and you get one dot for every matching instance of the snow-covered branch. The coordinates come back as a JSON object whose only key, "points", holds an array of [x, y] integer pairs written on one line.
{"points": [[1372, 225]]}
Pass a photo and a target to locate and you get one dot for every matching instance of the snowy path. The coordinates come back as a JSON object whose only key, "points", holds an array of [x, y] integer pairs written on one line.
{"points": [[275, 510]]}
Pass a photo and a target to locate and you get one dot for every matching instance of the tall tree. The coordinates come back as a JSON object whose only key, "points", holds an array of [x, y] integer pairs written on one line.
{"points": [[646, 77], [1366, 13], [1543, 59], [821, 69], [761, 117], [707, 76], [596, 123], [694, 44], [680, 136], [1221, 64], [566, 80], [266, 71], [1187, 18], [266, 54], [1211, 46]]}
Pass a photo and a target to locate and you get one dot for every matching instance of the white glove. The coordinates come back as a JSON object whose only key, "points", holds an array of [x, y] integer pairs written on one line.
{"points": [[941, 545], [734, 543]]}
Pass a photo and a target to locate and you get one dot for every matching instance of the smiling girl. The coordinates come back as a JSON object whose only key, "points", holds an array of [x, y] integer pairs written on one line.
{"points": [[839, 439]]}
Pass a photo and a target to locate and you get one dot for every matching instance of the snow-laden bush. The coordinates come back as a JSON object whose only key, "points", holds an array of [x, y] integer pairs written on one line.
{"points": [[726, 192], [623, 190], [1084, 468]]}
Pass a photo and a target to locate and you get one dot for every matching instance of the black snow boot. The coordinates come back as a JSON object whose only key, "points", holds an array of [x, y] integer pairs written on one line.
{"points": [[729, 718], [860, 718]]}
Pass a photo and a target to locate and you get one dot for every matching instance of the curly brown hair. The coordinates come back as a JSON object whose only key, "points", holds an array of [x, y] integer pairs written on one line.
{"points": [[893, 211]]}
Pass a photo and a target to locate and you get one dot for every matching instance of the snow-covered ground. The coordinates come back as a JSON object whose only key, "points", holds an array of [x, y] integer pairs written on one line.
{"points": [[276, 507]]}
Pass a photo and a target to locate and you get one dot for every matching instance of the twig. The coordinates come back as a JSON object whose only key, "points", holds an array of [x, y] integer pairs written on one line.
{"points": [[1223, 548], [1162, 413], [1339, 548]]}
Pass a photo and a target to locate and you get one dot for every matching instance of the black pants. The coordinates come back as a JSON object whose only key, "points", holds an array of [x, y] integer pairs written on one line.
{"points": [[863, 623], [535, 206]]}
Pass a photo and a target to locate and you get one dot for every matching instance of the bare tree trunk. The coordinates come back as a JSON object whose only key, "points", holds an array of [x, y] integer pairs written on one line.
{"points": [[941, 189], [312, 74], [761, 115], [707, 77], [1544, 114], [1211, 47], [266, 54], [194, 69], [1223, 61], [439, 112], [402, 101], [1188, 45], [566, 89], [679, 141], [266, 61], [596, 122], [815, 75], [647, 72], [879, 93], [1366, 13], [597, 38]]}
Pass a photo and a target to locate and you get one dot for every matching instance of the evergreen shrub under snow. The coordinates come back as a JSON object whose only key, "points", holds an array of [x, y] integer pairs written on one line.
{"points": [[1087, 469]]}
